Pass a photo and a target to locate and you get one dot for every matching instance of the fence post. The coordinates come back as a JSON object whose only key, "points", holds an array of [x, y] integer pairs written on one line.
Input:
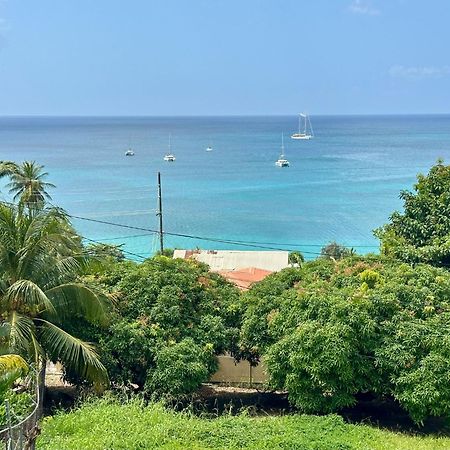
{"points": [[8, 420]]}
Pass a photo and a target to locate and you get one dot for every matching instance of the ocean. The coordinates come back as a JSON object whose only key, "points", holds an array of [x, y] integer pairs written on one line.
{"points": [[340, 186]]}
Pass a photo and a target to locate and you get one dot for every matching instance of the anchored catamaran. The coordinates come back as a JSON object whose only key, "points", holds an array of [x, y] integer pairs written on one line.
{"points": [[169, 156], [282, 161], [305, 132]]}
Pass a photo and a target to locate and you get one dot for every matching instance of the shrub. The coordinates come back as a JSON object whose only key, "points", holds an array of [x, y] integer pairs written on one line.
{"points": [[163, 305], [422, 232], [335, 251], [369, 325], [180, 368]]}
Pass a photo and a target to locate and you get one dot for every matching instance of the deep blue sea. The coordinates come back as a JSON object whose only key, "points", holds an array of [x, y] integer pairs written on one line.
{"points": [[340, 185]]}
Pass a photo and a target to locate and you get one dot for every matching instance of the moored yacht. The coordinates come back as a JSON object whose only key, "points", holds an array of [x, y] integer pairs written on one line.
{"points": [[305, 132], [169, 156], [282, 161]]}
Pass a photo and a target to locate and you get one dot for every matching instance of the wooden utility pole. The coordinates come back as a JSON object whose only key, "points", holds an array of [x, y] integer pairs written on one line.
{"points": [[160, 214]]}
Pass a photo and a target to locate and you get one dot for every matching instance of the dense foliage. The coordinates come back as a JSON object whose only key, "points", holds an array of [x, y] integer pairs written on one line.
{"points": [[359, 325], [335, 251], [422, 232], [13, 367], [102, 424], [40, 292], [172, 317]]}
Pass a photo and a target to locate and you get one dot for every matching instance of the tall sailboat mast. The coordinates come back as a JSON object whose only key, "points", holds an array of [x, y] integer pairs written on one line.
{"points": [[303, 132]]}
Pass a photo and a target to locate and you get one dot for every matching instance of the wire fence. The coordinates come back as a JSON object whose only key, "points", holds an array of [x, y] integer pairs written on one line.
{"points": [[20, 433]]}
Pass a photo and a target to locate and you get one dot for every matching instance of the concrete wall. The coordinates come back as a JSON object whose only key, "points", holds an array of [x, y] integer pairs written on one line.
{"points": [[240, 373]]}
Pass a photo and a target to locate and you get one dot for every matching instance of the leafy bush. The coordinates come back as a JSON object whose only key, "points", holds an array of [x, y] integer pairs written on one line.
{"points": [[20, 405], [12, 368], [296, 257], [365, 324], [422, 232], [166, 309], [180, 368], [335, 251]]}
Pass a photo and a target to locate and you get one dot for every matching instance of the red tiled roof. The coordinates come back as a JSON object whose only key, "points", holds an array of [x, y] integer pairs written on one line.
{"points": [[244, 278]]}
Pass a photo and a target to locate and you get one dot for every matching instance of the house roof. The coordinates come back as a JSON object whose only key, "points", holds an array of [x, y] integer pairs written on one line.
{"points": [[233, 260], [244, 278]]}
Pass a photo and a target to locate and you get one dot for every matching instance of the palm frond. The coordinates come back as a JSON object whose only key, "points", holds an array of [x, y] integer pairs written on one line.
{"points": [[11, 362], [75, 298], [73, 353], [7, 168], [25, 293], [19, 336]]}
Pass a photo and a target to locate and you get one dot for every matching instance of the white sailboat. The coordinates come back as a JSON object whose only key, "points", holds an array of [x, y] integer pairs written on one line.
{"points": [[303, 132], [282, 161], [169, 156]]}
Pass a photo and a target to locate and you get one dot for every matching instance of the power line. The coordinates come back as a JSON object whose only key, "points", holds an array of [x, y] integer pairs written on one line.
{"points": [[131, 236], [255, 244], [188, 236], [250, 244], [137, 255]]}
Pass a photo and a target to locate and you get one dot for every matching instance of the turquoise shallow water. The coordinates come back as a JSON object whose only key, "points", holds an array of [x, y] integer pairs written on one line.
{"points": [[340, 186]]}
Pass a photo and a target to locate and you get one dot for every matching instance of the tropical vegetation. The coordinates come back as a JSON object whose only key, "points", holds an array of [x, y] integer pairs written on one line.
{"points": [[421, 233], [13, 367], [335, 330], [27, 182], [40, 258], [131, 425], [331, 331], [41, 293], [172, 317]]}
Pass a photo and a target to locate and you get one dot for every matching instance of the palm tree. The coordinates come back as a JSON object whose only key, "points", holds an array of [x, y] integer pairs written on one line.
{"points": [[27, 182], [40, 256]]}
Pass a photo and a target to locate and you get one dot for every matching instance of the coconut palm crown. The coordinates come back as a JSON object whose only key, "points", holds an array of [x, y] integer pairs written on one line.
{"points": [[40, 257], [27, 182]]}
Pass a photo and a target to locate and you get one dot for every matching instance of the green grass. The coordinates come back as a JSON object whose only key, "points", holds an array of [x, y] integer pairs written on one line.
{"points": [[106, 424]]}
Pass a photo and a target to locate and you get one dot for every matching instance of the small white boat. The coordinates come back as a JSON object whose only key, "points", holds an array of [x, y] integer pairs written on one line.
{"points": [[305, 132], [209, 149], [169, 156], [282, 161], [129, 152]]}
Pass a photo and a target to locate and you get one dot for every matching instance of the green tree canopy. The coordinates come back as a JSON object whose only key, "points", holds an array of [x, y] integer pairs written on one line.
{"points": [[422, 232], [167, 308], [335, 251], [358, 325], [40, 294]]}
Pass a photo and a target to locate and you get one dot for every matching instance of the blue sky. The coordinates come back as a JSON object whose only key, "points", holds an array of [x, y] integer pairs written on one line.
{"points": [[202, 57]]}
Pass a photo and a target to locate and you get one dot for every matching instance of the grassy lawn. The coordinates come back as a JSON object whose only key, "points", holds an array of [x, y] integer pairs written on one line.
{"points": [[109, 425]]}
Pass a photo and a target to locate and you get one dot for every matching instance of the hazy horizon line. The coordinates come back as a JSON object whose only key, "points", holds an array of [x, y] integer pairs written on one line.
{"points": [[4, 116]]}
